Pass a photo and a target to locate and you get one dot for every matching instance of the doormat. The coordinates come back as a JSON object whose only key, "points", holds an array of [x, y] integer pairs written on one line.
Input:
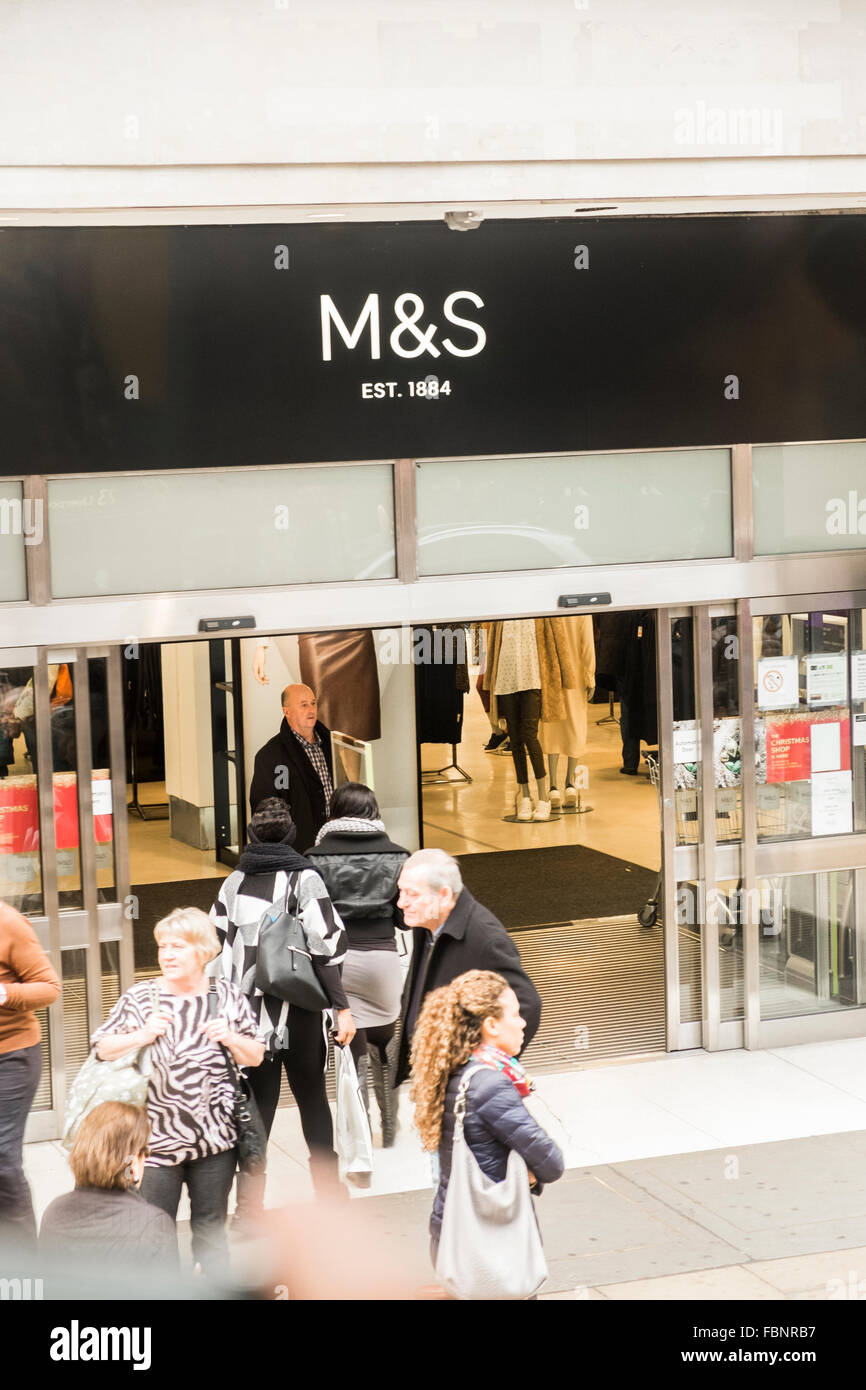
{"points": [[566, 883], [157, 900]]}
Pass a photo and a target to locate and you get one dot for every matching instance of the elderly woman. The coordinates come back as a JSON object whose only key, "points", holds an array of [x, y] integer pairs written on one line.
{"points": [[105, 1219], [191, 1092]]}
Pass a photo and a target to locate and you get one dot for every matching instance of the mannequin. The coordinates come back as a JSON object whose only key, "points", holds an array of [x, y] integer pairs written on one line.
{"points": [[341, 667], [567, 737], [529, 668]]}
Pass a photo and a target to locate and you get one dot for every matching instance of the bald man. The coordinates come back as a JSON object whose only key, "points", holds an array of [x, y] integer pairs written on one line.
{"points": [[296, 765]]}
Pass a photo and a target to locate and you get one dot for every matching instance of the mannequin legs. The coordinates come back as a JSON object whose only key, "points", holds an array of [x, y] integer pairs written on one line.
{"points": [[570, 773], [522, 711], [556, 793]]}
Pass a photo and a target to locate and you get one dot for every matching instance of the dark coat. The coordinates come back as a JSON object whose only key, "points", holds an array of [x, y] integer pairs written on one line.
{"points": [[471, 939], [108, 1226], [496, 1122], [305, 794], [360, 871]]}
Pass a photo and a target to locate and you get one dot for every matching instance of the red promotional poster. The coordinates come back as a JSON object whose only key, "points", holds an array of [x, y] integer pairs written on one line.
{"points": [[19, 812], [789, 749]]}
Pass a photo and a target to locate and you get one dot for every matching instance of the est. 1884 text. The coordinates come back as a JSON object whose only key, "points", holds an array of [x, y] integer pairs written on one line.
{"points": [[430, 389]]}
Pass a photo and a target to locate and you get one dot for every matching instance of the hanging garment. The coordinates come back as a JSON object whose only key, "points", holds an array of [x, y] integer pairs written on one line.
{"points": [[439, 687], [341, 668], [611, 649], [568, 735], [639, 680]]}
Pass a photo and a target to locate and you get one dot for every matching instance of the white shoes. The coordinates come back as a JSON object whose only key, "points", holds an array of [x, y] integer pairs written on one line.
{"points": [[570, 798], [555, 797], [524, 808], [542, 811]]}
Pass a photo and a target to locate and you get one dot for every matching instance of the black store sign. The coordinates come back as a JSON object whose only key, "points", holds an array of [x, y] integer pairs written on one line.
{"points": [[165, 347]]}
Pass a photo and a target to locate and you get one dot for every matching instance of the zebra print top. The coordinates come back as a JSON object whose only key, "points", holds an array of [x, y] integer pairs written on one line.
{"points": [[190, 1095]]}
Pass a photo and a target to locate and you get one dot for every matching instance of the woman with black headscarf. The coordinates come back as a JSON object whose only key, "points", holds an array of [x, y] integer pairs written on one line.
{"points": [[295, 1038]]}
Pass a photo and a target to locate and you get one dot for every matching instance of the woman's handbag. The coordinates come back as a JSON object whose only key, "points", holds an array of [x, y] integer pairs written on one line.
{"points": [[490, 1245], [353, 1142], [125, 1078], [284, 963], [252, 1140]]}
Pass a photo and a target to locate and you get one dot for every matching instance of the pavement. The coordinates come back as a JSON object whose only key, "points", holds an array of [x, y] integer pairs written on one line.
{"points": [[733, 1175]]}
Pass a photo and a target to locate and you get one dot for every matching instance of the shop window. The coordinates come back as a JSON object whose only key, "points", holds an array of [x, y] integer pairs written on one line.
{"points": [[809, 497], [246, 528], [18, 527], [478, 515], [20, 859], [810, 698]]}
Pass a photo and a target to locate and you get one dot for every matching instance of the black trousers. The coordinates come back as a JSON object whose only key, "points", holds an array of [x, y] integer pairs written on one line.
{"points": [[630, 744], [522, 712], [304, 1063], [19, 1081], [378, 1037], [209, 1182]]}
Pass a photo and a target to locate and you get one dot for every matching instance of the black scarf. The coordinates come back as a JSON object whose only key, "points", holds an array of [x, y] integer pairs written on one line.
{"points": [[271, 857]]}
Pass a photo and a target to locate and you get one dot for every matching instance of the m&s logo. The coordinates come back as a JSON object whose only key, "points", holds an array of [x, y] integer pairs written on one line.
{"points": [[409, 337]]}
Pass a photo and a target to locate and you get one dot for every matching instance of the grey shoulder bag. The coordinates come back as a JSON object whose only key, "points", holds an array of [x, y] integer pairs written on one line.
{"points": [[490, 1245]]}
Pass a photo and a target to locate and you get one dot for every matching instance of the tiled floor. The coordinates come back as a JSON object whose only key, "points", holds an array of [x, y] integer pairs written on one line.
{"points": [[466, 819]]}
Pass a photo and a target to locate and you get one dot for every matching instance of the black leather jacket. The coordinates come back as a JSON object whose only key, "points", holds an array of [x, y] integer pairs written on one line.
{"points": [[360, 870], [496, 1122]]}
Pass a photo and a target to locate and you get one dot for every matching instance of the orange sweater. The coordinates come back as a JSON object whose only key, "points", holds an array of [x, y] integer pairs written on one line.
{"points": [[28, 977]]}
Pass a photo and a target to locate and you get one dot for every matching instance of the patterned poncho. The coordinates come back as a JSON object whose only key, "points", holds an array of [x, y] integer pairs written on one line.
{"points": [[237, 914]]}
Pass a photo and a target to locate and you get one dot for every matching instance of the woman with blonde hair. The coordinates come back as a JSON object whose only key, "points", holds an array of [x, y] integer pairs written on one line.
{"points": [[105, 1219], [473, 1025], [190, 1098]]}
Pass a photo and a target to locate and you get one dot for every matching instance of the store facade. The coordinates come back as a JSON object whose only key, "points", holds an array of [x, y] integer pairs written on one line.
{"points": [[291, 429]]}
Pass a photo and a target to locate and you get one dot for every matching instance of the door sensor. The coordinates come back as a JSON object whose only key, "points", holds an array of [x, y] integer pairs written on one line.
{"points": [[582, 600]]}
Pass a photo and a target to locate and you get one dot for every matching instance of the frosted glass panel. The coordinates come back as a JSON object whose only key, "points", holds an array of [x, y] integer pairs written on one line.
{"points": [[14, 520], [590, 509], [809, 497], [221, 530]]}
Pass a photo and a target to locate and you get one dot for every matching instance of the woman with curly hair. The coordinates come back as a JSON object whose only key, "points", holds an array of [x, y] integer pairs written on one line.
{"points": [[474, 1022]]}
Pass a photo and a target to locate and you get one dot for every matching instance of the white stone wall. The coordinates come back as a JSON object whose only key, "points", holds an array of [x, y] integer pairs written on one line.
{"points": [[336, 82]]}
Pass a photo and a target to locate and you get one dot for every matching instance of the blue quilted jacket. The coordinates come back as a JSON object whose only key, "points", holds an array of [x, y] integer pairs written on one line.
{"points": [[497, 1121]]}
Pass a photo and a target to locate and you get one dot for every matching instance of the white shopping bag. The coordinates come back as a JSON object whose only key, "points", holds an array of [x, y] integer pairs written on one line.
{"points": [[352, 1138]]}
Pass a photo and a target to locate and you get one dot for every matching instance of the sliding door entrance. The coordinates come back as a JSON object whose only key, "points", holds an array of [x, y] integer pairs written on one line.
{"points": [[764, 806]]}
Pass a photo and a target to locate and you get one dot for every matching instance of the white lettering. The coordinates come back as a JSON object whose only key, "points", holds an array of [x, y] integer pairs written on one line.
{"points": [[76, 1343], [330, 315], [480, 335]]}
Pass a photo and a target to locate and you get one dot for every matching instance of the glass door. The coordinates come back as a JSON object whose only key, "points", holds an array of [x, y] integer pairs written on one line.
{"points": [[701, 806], [805, 825], [763, 770], [63, 850], [227, 744]]}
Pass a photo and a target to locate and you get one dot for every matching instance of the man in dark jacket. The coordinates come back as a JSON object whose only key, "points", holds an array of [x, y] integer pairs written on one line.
{"points": [[296, 765], [452, 933]]}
